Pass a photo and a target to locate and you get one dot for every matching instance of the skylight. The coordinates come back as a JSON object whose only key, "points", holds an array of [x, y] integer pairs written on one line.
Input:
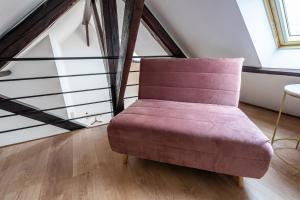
{"points": [[285, 17], [292, 15]]}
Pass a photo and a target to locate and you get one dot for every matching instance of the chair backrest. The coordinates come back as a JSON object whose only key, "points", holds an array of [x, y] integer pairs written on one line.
{"points": [[212, 81]]}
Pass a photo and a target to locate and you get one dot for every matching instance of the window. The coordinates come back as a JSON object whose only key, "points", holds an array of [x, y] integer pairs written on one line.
{"points": [[285, 20]]}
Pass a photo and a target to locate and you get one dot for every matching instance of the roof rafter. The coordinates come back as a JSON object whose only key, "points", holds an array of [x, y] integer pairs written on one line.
{"points": [[160, 34], [14, 41], [28, 111], [132, 17]]}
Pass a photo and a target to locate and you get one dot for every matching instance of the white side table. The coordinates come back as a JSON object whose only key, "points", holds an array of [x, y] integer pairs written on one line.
{"points": [[292, 90]]}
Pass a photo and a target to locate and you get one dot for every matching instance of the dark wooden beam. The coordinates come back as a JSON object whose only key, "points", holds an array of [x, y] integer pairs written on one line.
{"points": [[15, 40], [28, 111], [109, 18], [132, 17], [111, 43], [87, 35], [5, 73], [99, 31], [87, 12], [272, 71], [102, 43], [86, 19], [160, 34]]}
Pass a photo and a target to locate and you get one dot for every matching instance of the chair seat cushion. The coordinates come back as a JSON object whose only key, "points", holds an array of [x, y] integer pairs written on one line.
{"points": [[205, 136]]}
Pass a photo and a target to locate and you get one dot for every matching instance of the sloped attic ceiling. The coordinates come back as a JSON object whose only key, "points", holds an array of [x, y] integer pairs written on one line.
{"points": [[12, 11], [201, 28], [144, 37], [206, 28]]}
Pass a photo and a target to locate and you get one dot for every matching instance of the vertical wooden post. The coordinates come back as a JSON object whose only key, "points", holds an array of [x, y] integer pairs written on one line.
{"points": [[111, 42], [108, 37], [132, 17], [100, 34]]}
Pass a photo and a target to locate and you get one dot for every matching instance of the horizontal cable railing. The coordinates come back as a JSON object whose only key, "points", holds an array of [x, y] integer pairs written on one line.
{"points": [[9, 59], [62, 121], [51, 109], [63, 76], [29, 112], [59, 93], [55, 122], [55, 93], [61, 107]]}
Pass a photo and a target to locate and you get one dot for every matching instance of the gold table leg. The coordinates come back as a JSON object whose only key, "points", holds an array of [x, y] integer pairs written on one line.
{"points": [[279, 115], [298, 142]]}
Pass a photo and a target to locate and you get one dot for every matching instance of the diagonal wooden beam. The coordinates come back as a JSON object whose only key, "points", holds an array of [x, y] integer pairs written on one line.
{"points": [[99, 31], [132, 17], [110, 42], [160, 34], [15, 40], [5, 73], [28, 111]]}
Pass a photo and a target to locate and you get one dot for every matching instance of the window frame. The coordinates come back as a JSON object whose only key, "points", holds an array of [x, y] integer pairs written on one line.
{"points": [[279, 24]]}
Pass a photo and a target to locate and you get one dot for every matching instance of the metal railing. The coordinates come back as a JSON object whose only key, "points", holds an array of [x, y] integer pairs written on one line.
{"points": [[38, 111]]}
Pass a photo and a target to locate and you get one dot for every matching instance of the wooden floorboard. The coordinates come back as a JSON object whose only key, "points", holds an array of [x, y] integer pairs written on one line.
{"points": [[81, 165]]}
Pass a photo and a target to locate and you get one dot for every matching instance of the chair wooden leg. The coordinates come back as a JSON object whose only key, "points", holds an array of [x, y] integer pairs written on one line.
{"points": [[239, 181], [125, 159]]}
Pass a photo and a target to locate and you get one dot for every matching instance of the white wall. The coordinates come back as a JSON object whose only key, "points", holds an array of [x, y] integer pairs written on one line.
{"points": [[255, 17], [32, 87], [266, 90], [75, 45]]}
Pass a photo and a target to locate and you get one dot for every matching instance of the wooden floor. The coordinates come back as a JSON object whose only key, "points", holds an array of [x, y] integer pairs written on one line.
{"points": [[80, 165]]}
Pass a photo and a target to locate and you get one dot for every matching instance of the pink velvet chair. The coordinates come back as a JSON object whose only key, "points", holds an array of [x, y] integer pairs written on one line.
{"points": [[187, 115]]}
